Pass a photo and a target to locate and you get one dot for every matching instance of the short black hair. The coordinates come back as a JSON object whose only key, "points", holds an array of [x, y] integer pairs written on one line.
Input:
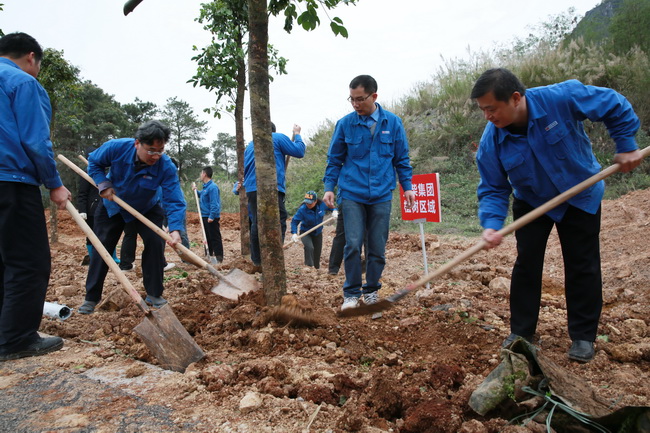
{"points": [[18, 44], [499, 81], [151, 131], [273, 127], [208, 171], [366, 81]]}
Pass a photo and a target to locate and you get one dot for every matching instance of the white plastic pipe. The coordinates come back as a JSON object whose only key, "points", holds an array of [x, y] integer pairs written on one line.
{"points": [[56, 311]]}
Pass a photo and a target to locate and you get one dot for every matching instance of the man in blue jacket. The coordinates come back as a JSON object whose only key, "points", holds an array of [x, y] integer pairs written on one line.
{"points": [[535, 148], [368, 146], [210, 204], [283, 146], [26, 162], [138, 168]]}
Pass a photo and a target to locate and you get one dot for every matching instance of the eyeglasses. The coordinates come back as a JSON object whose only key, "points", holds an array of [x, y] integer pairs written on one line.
{"points": [[358, 100], [152, 153]]}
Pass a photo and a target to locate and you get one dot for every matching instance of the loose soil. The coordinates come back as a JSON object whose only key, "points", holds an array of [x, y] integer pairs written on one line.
{"points": [[410, 371]]}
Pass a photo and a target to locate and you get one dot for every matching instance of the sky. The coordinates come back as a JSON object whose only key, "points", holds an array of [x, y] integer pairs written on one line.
{"points": [[401, 43]]}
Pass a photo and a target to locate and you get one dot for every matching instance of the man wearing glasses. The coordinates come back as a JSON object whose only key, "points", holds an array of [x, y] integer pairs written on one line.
{"points": [[368, 147], [138, 168]]}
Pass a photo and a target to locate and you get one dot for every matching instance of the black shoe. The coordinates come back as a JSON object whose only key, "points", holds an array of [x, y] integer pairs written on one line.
{"points": [[86, 260], [581, 351], [37, 348], [88, 307], [126, 267], [512, 337], [333, 271]]}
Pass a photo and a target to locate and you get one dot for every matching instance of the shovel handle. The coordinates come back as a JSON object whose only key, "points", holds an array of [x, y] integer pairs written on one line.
{"points": [[184, 252], [99, 248], [307, 232], [517, 224]]}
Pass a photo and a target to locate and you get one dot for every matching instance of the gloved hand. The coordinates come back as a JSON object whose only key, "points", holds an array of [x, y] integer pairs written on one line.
{"points": [[83, 215], [294, 237], [335, 213]]}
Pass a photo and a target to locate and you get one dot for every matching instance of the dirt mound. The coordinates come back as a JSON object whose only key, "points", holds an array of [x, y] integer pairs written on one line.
{"points": [[410, 371]]}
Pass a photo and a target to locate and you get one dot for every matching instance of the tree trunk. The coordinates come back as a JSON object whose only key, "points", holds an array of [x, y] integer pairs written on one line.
{"points": [[244, 232], [268, 214]]}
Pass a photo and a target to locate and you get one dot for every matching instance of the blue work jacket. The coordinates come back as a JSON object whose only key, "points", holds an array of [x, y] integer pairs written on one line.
{"points": [[555, 154], [210, 200], [364, 165], [308, 218], [26, 154], [282, 147], [138, 188]]}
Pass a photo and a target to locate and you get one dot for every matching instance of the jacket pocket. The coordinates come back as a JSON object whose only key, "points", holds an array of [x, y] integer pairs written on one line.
{"points": [[355, 147], [517, 170], [386, 144], [556, 138]]}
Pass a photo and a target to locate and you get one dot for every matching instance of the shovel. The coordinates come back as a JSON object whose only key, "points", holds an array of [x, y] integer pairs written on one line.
{"points": [[205, 239], [387, 303], [230, 286], [285, 246], [162, 333]]}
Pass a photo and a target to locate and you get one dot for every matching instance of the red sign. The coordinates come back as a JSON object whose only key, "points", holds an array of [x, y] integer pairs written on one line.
{"points": [[427, 199]]}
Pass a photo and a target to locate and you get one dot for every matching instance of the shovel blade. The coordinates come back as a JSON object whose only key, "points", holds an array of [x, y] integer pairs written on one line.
{"points": [[234, 284], [364, 310], [168, 340]]}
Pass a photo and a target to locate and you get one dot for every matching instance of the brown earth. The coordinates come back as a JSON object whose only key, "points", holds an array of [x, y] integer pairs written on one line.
{"points": [[410, 371]]}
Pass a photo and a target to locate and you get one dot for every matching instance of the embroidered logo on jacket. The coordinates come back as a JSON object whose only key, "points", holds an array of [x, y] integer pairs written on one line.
{"points": [[551, 126]]}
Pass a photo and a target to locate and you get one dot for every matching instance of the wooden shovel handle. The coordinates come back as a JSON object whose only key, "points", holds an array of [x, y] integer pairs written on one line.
{"points": [[520, 222], [307, 232], [101, 250], [198, 208], [186, 253]]}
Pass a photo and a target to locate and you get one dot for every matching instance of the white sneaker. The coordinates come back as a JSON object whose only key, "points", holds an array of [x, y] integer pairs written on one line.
{"points": [[351, 302], [372, 298], [169, 266]]}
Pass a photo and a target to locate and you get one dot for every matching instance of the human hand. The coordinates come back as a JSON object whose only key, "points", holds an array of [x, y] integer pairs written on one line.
{"points": [[210, 220], [492, 238], [628, 160], [335, 213], [296, 129], [176, 238], [409, 196], [328, 199], [83, 215], [60, 196], [108, 194], [294, 237], [194, 186]]}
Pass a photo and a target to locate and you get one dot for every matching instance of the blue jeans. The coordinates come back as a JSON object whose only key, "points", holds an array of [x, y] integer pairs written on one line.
{"points": [[359, 219]]}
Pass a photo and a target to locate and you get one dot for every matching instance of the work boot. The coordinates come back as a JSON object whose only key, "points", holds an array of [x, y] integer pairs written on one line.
{"points": [[39, 347], [581, 351], [88, 307]]}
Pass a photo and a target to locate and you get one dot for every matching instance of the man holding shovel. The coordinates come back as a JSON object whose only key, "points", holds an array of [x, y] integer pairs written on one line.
{"points": [[535, 148], [210, 205], [26, 162], [367, 148], [138, 168]]}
